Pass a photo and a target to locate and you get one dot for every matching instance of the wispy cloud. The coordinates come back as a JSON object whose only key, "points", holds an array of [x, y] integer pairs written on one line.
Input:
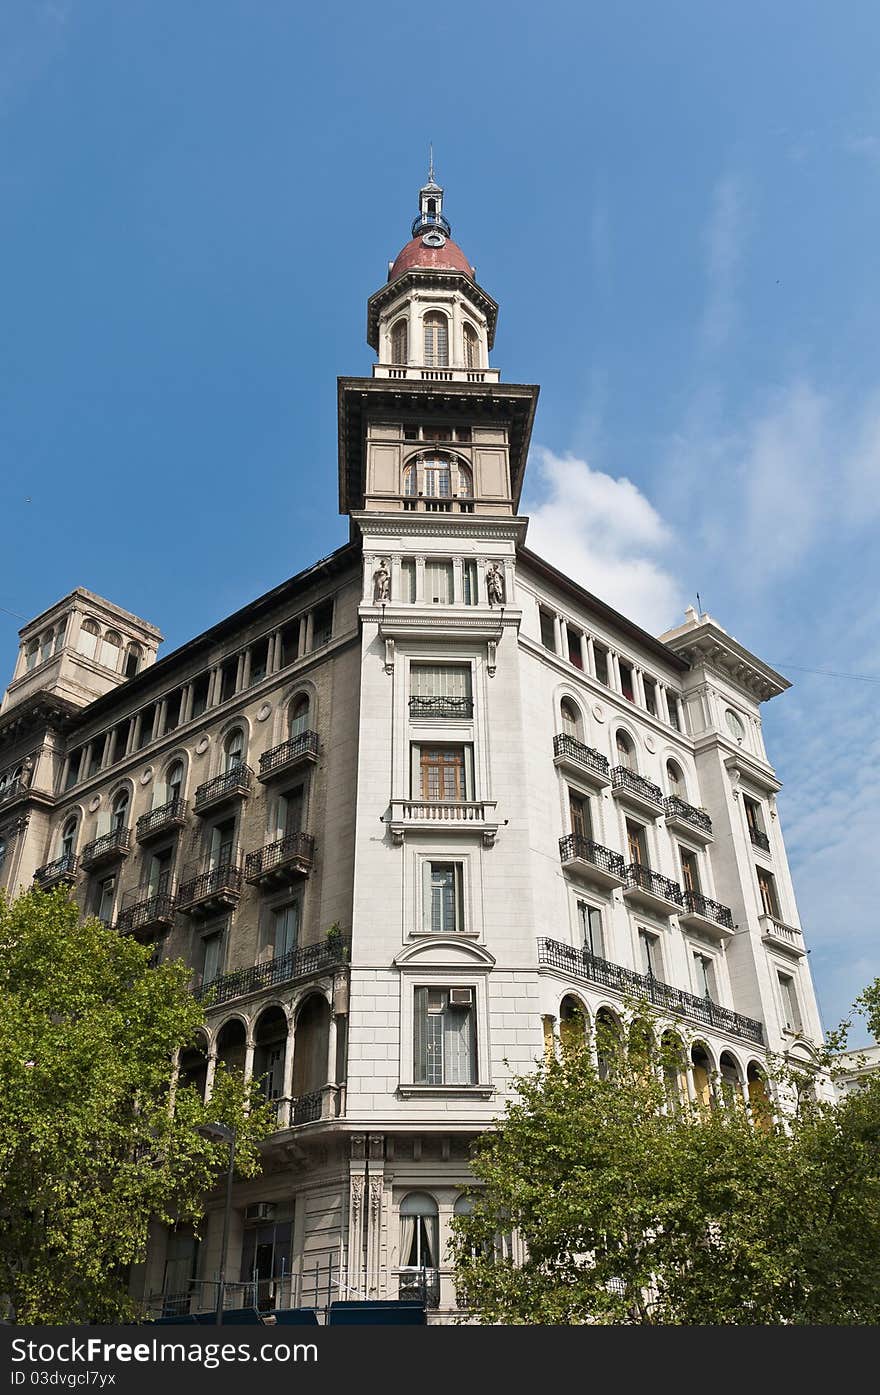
{"points": [[725, 242]]}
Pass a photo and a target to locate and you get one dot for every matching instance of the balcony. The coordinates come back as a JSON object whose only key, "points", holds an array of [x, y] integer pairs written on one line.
{"points": [[281, 862], [289, 756], [309, 961], [702, 913], [14, 790], [147, 917], [232, 784], [110, 847], [591, 861], [652, 890], [759, 839], [687, 819], [579, 963], [215, 890], [633, 789], [786, 937], [453, 816], [434, 375], [425, 222], [442, 707], [161, 820], [583, 762], [58, 873]]}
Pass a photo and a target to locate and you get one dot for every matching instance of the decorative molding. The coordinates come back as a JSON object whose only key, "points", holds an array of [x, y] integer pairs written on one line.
{"points": [[491, 648], [389, 654]]}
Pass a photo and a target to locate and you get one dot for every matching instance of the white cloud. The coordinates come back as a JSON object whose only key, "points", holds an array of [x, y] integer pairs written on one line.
{"points": [[607, 536], [725, 240]]}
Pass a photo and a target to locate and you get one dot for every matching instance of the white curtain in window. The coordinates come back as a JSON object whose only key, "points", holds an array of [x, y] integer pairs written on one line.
{"points": [[407, 1236], [457, 1044], [438, 582], [441, 680]]}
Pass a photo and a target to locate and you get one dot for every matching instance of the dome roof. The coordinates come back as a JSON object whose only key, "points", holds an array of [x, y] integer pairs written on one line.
{"points": [[415, 255]]}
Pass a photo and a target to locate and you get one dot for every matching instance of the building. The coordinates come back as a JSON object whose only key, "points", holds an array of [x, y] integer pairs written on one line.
{"points": [[410, 816]]}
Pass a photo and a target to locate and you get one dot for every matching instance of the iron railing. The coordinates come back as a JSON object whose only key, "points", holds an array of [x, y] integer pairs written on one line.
{"points": [[303, 745], [585, 850], [759, 839], [152, 910], [564, 745], [679, 809], [709, 909], [108, 845], [231, 782], [423, 222], [441, 707], [420, 1286], [225, 879], [12, 790], [582, 964], [637, 875], [622, 778], [294, 847], [160, 818], [59, 870], [306, 1109], [304, 962]]}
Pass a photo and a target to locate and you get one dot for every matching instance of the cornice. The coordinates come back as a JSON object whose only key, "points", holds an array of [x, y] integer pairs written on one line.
{"points": [[490, 527], [707, 645], [431, 277]]}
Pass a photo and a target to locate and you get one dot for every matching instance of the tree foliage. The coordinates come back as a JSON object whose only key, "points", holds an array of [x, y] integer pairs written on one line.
{"points": [[635, 1206], [94, 1141]]}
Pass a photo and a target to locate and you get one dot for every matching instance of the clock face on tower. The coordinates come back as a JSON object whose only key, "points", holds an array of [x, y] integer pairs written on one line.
{"points": [[433, 239]]}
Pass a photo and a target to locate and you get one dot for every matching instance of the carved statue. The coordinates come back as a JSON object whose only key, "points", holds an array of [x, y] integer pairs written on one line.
{"points": [[495, 585], [382, 582]]}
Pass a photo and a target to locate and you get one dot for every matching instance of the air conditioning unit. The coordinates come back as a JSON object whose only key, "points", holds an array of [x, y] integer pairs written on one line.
{"points": [[461, 997], [261, 1211]]}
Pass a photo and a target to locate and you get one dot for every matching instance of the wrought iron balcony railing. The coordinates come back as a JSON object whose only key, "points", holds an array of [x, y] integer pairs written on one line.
{"points": [[12, 791], [109, 845], [759, 839], [568, 746], [232, 784], [679, 809], [645, 879], [294, 850], [423, 222], [63, 869], [305, 962], [585, 850], [152, 912], [159, 820], [223, 882], [441, 707], [306, 1109], [303, 746], [582, 964], [630, 782], [709, 909]]}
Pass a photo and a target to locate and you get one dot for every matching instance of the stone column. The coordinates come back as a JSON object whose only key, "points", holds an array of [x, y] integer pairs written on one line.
{"points": [[239, 670], [210, 1072], [587, 653], [331, 1050], [248, 1058], [134, 734], [420, 581], [161, 717], [396, 579], [245, 671], [457, 587], [414, 349], [186, 704]]}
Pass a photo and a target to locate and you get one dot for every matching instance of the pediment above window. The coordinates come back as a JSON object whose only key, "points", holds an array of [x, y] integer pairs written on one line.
{"points": [[444, 952]]}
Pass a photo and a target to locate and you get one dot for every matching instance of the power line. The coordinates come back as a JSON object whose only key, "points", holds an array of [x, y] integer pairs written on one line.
{"points": [[7, 611], [831, 673]]}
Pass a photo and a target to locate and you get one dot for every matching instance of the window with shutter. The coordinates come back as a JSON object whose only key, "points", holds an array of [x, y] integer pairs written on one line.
{"points": [[444, 1040], [436, 341]]}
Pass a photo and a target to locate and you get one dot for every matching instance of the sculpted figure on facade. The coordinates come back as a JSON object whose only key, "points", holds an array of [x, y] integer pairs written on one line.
{"points": [[382, 582], [495, 585]]}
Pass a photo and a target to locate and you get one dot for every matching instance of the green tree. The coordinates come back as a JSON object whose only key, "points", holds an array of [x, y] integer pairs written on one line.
{"points": [[93, 1143], [634, 1206]]}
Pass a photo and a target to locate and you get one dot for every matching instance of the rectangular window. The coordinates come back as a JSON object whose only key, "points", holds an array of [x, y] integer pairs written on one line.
{"points": [[574, 647], [222, 844], [228, 676], [442, 774], [284, 929], [158, 881], [590, 918], [650, 688], [704, 977], [626, 681], [548, 630], [438, 583], [649, 950], [442, 908], [148, 718], [791, 1012], [673, 707], [579, 813], [97, 749], [105, 892], [259, 661], [172, 710], [290, 811], [411, 433], [635, 841], [212, 956], [690, 874], [290, 642], [440, 690], [408, 580], [322, 625], [73, 764], [767, 892], [444, 1039], [600, 658], [470, 591]]}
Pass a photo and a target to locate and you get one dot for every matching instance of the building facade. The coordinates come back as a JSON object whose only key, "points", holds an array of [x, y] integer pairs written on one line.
{"points": [[412, 817]]}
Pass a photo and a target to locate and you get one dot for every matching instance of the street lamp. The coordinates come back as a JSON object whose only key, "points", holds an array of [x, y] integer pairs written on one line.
{"points": [[220, 1133]]}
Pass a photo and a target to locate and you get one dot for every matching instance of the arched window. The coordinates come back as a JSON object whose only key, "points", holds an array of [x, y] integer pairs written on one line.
{"points": [[675, 780], [626, 751], [436, 340], [119, 816], [174, 781], [437, 474], [465, 482], [59, 636], [572, 1024], [133, 656], [608, 1042], [233, 750], [68, 838], [410, 481], [471, 347], [419, 1232], [46, 641], [400, 342], [111, 646], [32, 653], [88, 638], [571, 720], [299, 716]]}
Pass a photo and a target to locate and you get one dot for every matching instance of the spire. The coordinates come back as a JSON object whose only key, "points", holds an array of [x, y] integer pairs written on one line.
{"points": [[430, 221], [431, 163]]}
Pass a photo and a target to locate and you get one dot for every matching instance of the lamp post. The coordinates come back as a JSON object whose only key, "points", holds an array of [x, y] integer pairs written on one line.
{"points": [[220, 1133]]}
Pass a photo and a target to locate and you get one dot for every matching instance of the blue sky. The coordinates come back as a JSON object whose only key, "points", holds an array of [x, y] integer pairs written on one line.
{"points": [[677, 208]]}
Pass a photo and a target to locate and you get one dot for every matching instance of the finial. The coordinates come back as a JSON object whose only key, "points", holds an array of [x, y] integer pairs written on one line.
{"points": [[431, 163]]}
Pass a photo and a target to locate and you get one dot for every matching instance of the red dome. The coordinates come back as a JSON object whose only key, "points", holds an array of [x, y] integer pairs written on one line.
{"points": [[415, 254]]}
